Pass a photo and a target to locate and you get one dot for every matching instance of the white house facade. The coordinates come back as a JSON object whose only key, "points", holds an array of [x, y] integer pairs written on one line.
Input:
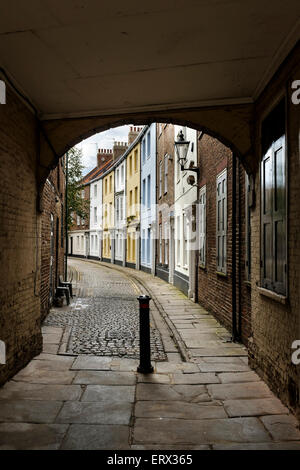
{"points": [[95, 233], [120, 214], [148, 199], [185, 198]]}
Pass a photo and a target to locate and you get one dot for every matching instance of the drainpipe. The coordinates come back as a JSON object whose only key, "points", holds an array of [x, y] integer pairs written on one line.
{"points": [[240, 254], [201, 134], [233, 276], [66, 217]]}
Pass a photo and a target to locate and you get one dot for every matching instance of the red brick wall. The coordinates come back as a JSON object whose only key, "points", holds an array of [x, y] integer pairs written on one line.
{"points": [[53, 202], [276, 325], [19, 241], [86, 224], [215, 290], [165, 144]]}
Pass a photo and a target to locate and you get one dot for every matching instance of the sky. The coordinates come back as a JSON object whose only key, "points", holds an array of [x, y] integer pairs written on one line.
{"points": [[105, 140]]}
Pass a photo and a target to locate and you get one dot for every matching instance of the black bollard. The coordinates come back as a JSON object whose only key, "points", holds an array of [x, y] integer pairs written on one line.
{"points": [[145, 366]]}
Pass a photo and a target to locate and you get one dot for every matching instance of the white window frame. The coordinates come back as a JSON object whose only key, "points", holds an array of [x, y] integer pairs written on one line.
{"points": [[166, 168], [202, 226], [149, 191], [185, 241], [160, 179], [166, 237], [221, 222], [160, 243]]}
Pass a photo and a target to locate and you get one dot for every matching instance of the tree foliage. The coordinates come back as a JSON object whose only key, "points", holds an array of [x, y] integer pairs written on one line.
{"points": [[76, 204]]}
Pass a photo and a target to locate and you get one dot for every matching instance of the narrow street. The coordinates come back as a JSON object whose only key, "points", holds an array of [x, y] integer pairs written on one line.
{"points": [[83, 391], [104, 317]]}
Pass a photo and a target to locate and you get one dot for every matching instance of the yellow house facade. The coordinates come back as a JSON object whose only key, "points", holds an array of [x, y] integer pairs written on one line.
{"points": [[133, 203], [108, 213]]}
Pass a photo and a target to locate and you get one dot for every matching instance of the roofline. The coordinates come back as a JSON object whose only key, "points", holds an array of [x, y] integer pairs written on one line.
{"points": [[128, 150]]}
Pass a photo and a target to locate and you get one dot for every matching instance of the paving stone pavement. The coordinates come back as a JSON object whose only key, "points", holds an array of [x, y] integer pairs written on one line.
{"points": [[209, 402]]}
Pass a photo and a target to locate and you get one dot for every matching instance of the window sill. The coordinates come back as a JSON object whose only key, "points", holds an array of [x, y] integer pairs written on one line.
{"points": [[202, 266], [219, 273], [248, 283], [282, 299]]}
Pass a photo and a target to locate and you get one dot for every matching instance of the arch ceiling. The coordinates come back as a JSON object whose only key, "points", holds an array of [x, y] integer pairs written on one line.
{"points": [[78, 58]]}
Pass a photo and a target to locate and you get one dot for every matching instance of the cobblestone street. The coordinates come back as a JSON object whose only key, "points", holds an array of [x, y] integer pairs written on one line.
{"points": [[103, 319], [203, 397]]}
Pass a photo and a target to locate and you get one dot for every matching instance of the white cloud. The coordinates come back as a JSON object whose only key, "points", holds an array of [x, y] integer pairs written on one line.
{"points": [[103, 140]]}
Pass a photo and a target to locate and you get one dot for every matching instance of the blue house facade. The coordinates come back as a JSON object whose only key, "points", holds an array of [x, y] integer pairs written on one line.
{"points": [[148, 199]]}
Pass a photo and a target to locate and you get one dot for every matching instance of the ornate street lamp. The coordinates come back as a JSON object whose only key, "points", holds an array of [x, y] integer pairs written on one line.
{"points": [[182, 146]]}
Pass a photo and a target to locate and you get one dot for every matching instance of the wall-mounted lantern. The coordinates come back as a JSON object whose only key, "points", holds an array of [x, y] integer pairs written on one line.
{"points": [[182, 147]]}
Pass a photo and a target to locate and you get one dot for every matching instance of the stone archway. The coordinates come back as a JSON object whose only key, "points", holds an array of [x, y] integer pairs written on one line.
{"points": [[232, 125]]}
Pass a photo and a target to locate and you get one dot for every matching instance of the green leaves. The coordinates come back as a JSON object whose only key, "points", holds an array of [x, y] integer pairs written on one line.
{"points": [[77, 205]]}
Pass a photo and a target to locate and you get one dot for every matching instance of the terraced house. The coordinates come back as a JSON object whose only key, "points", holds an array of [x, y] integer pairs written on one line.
{"points": [[108, 253], [148, 198], [185, 198], [133, 205], [120, 212], [165, 246]]}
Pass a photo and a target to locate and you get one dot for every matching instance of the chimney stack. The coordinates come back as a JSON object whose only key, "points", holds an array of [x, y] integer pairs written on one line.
{"points": [[133, 133], [118, 149], [104, 156]]}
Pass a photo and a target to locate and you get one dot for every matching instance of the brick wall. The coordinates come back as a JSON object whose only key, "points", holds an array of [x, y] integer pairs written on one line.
{"points": [[19, 240], [53, 203], [165, 144], [86, 224], [215, 290], [276, 325]]}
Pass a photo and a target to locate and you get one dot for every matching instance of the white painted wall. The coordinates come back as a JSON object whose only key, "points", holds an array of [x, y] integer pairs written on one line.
{"points": [[184, 196], [148, 196], [120, 211], [95, 218]]}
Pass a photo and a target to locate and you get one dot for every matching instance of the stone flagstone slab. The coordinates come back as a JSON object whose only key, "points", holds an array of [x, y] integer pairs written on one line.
{"points": [[197, 378], [95, 413], [62, 363], [45, 376], [104, 378], [179, 431], [52, 338], [222, 367], [29, 411], [178, 409], [50, 348], [109, 393], [55, 357], [154, 378], [187, 367], [92, 363], [25, 436], [239, 390], [96, 437], [156, 392], [255, 407], [224, 349], [190, 392], [238, 377], [282, 427], [27, 391]]}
